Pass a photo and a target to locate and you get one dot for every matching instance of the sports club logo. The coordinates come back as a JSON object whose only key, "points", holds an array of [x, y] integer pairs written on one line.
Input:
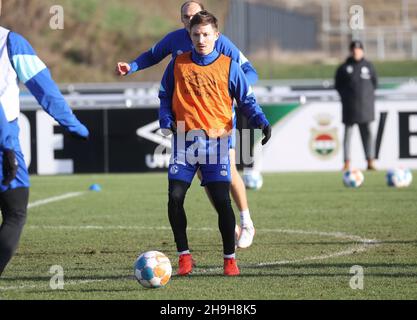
{"points": [[349, 69], [365, 73], [223, 173], [324, 142], [174, 169]]}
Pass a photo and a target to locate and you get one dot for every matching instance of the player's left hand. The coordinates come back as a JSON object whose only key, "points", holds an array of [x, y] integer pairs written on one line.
{"points": [[9, 166], [267, 131]]}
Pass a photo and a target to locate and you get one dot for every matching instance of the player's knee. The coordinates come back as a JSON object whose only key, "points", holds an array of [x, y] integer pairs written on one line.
{"points": [[20, 217], [177, 191], [175, 201], [15, 218], [176, 197]]}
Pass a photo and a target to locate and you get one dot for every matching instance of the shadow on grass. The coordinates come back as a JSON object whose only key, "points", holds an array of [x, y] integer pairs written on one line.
{"points": [[209, 247], [69, 279], [245, 274], [278, 270], [89, 290]]}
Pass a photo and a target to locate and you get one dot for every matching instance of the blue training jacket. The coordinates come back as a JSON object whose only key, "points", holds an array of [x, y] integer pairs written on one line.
{"points": [[35, 75], [4, 131], [179, 41]]}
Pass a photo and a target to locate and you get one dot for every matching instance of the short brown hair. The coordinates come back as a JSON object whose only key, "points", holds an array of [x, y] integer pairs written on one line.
{"points": [[204, 17]]}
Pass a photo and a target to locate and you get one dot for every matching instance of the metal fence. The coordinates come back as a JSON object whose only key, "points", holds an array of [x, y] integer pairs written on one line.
{"points": [[324, 27], [254, 27]]}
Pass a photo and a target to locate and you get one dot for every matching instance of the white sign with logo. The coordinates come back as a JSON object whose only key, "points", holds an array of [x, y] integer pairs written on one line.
{"points": [[311, 139]]}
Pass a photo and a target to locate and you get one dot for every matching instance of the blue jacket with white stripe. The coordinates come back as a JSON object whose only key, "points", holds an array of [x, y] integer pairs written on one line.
{"points": [[35, 75]]}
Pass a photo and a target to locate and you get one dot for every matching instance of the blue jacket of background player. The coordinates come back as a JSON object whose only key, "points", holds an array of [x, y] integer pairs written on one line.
{"points": [[4, 131], [24, 65], [179, 41]]}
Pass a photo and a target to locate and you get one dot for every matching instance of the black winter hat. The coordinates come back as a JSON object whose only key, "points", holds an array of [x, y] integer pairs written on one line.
{"points": [[356, 44]]}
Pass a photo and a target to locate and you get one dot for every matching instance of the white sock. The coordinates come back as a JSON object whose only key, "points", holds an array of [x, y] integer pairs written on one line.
{"points": [[230, 256], [245, 219], [184, 252]]}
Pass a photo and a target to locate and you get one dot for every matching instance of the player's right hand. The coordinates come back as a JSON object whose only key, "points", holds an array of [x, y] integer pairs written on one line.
{"points": [[9, 166], [122, 68]]}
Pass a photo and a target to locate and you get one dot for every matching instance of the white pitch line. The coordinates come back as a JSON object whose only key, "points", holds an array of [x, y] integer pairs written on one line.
{"points": [[363, 246], [54, 199], [339, 235], [363, 243], [347, 252], [34, 286], [66, 283]]}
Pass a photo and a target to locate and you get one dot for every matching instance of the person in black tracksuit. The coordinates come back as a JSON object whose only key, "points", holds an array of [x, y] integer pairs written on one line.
{"points": [[356, 81]]}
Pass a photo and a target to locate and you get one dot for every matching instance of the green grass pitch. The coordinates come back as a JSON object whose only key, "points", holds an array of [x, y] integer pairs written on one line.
{"points": [[310, 231]]}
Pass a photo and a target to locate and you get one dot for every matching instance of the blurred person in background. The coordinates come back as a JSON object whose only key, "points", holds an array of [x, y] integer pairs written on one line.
{"points": [[356, 81]]}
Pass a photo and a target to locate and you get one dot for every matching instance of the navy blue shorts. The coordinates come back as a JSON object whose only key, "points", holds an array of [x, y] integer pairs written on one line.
{"points": [[210, 155]]}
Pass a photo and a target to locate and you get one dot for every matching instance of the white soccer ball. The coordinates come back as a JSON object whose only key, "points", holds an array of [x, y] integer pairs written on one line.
{"points": [[252, 179], [399, 177], [152, 269], [353, 178]]}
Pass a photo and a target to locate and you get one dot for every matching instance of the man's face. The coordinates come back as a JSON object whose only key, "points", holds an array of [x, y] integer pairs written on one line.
{"points": [[357, 54], [204, 38], [188, 13]]}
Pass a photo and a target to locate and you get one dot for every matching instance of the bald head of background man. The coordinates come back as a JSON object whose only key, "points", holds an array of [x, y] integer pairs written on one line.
{"points": [[188, 10]]}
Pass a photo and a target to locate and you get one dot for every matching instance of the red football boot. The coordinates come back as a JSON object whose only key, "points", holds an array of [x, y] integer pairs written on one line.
{"points": [[230, 267], [185, 264]]}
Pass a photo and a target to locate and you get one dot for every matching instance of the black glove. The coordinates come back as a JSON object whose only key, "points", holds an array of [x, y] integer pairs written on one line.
{"points": [[9, 166], [267, 133]]}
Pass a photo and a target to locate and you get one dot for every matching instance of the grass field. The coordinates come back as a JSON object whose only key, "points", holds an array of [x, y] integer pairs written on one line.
{"points": [[310, 231]]}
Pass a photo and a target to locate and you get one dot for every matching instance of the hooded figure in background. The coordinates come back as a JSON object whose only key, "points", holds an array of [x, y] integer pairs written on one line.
{"points": [[356, 82]]}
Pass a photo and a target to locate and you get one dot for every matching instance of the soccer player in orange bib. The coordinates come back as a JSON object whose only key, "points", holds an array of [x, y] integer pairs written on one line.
{"points": [[176, 43], [196, 94]]}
